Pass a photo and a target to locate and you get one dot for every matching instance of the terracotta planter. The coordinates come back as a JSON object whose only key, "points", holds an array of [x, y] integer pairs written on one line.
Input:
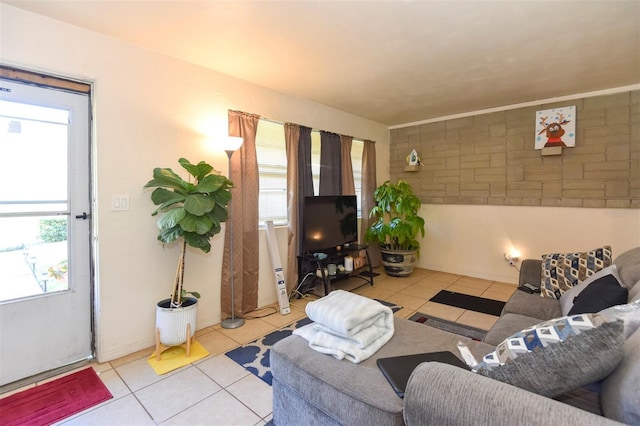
{"points": [[398, 263], [172, 322]]}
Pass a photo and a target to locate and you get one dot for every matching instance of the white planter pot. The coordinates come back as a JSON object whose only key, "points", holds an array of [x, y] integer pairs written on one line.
{"points": [[172, 322], [398, 263]]}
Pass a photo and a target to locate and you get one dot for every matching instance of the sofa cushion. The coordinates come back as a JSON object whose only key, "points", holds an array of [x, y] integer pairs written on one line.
{"points": [[568, 297], [621, 390], [628, 266], [507, 325], [634, 293], [561, 271], [441, 394], [530, 272], [532, 305], [586, 398], [557, 356], [600, 294], [356, 394]]}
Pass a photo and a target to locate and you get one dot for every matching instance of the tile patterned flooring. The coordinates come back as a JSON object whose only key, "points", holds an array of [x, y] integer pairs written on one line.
{"points": [[217, 391]]}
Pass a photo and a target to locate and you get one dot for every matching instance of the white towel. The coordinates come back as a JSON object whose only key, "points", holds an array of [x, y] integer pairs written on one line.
{"points": [[347, 326], [340, 347], [348, 313]]}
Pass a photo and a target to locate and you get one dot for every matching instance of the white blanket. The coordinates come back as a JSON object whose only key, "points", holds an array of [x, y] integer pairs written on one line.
{"points": [[347, 325]]}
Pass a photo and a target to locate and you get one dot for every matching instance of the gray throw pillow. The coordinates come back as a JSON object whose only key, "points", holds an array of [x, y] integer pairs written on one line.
{"points": [[557, 356]]}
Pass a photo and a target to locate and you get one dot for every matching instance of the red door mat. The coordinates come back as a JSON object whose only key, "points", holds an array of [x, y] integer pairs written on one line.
{"points": [[55, 400]]}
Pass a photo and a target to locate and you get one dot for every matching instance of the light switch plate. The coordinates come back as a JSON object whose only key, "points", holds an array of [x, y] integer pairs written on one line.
{"points": [[120, 203]]}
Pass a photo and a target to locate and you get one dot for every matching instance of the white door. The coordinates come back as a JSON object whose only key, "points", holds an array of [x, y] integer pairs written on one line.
{"points": [[45, 273]]}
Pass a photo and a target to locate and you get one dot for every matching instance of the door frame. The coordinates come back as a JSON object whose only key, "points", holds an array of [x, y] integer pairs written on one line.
{"points": [[78, 85]]}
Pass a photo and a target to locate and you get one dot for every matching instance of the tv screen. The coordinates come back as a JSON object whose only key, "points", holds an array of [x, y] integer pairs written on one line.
{"points": [[329, 221]]}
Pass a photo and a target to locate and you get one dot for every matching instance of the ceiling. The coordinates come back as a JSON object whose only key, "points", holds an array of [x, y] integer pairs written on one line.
{"points": [[392, 62]]}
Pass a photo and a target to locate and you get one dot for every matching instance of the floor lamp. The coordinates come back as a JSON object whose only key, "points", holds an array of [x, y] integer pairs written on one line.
{"points": [[233, 143]]}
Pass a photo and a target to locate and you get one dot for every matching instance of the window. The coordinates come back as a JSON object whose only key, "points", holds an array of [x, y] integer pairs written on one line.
{"points": [[357, 146], [272, 169]]}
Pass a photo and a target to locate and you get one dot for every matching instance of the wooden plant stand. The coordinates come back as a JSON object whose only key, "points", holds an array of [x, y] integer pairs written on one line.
{"points": [[161, 348]]}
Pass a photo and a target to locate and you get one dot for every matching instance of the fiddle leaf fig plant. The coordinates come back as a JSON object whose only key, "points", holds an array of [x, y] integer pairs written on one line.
{"points": [[397, 223], [190, 212]]}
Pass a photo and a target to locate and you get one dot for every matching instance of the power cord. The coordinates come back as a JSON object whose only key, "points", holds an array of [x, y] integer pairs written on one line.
{"points": [[261, 316], [310, 296], [296, 291], [275, 310]]}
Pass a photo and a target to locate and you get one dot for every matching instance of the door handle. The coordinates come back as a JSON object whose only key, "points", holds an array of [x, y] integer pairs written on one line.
{"points": [[83, 216]]}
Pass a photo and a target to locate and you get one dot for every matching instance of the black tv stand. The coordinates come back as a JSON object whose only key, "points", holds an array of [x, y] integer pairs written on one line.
{"points": [[310, 263]]}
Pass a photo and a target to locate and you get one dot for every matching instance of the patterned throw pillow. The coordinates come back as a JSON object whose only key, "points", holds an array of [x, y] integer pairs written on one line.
{"points": [[561, 271], [557, 356]]}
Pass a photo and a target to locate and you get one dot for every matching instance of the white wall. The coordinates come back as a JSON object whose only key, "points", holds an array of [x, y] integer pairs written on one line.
{"points": [[472, 240], [149, 111]]}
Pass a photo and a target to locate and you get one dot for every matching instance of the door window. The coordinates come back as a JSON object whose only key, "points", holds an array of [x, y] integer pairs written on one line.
{"points": [[34, 205]]}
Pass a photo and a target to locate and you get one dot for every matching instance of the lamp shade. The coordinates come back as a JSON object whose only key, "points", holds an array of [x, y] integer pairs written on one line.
{"points": [[232, 143]]}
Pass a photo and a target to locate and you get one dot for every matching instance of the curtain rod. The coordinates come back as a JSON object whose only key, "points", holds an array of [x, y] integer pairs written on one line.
{"points": [[312, 129], [270, 120]]}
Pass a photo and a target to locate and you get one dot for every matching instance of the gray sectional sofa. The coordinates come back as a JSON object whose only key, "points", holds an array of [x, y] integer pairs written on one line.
{"points": [[315, 389]]}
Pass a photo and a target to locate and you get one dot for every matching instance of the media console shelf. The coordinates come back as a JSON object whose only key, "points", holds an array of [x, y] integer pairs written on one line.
{"points": [[309, 263]]}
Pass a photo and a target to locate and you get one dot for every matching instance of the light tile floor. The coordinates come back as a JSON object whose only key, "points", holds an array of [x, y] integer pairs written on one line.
{"points": [[217, 391]]}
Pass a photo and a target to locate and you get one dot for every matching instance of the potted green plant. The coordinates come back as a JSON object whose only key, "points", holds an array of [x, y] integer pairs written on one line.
{"points": [[189, 213], [396, 227]]}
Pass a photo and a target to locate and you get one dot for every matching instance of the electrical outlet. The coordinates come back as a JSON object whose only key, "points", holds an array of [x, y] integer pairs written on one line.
{"points": [[511, 260]]}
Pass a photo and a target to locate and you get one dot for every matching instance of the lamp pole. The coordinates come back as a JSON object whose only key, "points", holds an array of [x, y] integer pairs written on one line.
{"points": [[232, 322]]}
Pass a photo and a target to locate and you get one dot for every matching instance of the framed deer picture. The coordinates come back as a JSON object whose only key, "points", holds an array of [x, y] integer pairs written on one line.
{"points": [[556, 127]]}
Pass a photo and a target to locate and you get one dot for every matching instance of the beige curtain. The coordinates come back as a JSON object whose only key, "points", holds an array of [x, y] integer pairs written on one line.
{"points": [[292, 136], [244, 224], [348, 185], [369, 185]]}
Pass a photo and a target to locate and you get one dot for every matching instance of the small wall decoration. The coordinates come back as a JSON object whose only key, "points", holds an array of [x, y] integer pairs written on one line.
{"points": [[413, 159], [556, 127]]}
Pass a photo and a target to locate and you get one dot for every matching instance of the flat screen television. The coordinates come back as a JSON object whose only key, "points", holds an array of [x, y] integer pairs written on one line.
{"points": [[329, 221]]}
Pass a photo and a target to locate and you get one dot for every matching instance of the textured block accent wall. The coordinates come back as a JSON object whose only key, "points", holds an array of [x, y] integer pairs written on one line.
{"points": [[490, 159]]}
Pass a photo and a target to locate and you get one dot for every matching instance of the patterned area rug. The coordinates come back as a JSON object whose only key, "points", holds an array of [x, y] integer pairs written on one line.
{"points": [[254, 356]]}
